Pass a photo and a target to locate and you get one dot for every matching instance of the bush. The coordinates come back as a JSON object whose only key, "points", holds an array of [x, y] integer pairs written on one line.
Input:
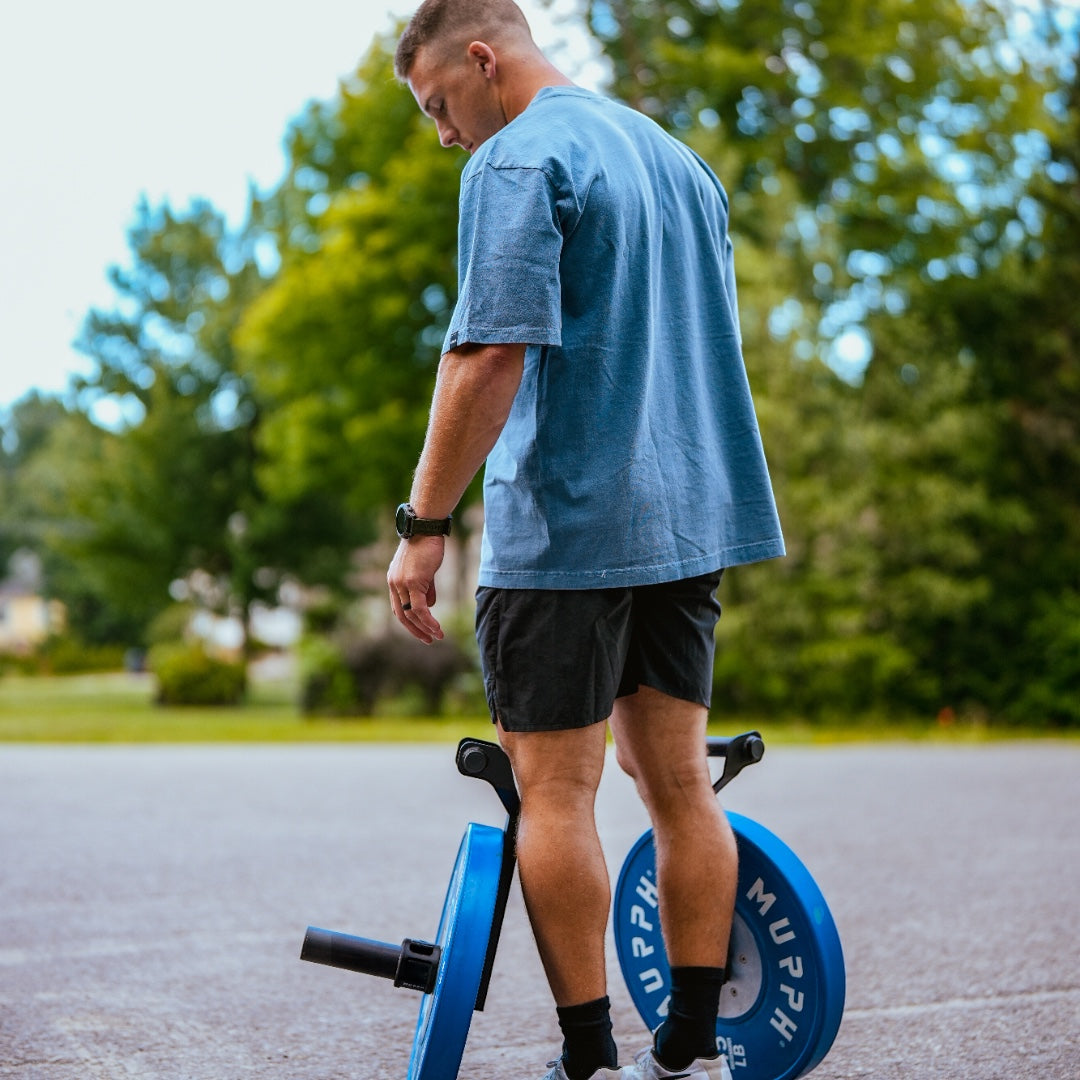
{"points": [[69, 656], [65, 656], [1050, 695], [170, 625], [328, 688], [348, 677], [188, 675], [20, 664]]}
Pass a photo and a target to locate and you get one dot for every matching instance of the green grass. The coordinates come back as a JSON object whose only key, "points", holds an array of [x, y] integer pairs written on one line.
{"points": [[120, 708]]}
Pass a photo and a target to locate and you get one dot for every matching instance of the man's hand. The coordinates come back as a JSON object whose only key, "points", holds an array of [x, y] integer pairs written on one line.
{"points": [[474, 392], [411, 579]]}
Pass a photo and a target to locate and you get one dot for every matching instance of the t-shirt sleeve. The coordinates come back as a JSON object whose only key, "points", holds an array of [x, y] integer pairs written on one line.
{"points": [[509, 247]]}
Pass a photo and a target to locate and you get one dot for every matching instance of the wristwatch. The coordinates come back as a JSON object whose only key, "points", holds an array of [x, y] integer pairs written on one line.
{"points": [[408, 524]]}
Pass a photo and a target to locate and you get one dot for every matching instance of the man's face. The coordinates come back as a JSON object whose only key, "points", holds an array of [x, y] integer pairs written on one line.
{"points": [[459, 95]]}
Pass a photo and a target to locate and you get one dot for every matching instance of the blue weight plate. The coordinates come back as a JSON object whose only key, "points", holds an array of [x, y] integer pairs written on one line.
{"points": [[781, 1007], [464, 928]]}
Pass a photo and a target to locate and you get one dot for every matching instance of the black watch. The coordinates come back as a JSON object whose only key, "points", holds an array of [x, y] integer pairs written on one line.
{"points": [[408, 524]]}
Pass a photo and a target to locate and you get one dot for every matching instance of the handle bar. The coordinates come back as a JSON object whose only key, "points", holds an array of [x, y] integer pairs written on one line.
{"points": [[738, 751]]}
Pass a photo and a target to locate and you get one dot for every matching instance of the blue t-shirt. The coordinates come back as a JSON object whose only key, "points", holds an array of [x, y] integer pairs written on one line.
{"points": [[632, 454]]}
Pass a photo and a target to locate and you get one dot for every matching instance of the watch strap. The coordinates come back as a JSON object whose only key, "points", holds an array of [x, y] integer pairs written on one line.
{"points": [[409, 525], [431, 526]]}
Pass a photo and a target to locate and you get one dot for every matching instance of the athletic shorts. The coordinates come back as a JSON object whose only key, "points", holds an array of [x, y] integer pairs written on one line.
{"points": [[558, 659]]}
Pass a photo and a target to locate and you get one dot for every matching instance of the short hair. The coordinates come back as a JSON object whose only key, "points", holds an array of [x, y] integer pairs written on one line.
{"points": [[450, 22]]}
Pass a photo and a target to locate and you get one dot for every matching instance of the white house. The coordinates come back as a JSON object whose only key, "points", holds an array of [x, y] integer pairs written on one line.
{"points": [[26, 618]]}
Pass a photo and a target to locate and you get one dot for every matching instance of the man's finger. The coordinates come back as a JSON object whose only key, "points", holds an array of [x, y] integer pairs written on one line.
{"points": [[421, 621]]}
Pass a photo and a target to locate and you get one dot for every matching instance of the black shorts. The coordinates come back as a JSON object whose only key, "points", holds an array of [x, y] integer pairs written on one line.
{"points": [[558, 659]]}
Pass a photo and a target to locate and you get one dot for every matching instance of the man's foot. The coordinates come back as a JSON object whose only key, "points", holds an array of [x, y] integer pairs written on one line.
{"points": [[646, 1067], [559, 1073]]}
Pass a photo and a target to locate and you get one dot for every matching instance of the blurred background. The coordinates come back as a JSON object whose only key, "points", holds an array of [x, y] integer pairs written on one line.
{"points": [[227, 261]]}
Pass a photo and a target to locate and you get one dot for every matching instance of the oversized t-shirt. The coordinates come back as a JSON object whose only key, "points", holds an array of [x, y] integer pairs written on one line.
{"points": [[632, 454]]}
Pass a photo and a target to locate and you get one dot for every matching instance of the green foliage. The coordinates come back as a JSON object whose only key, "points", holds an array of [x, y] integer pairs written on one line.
{"points": [[344, 345], [44, 451], [348, 674], [904, 169], [19, 664], [900, 122], [1051, 694], [908, 169], [188, 675], [327, 686], [66, 655], [1018, 329], [24, 432], [171, 489], [170, 625]]}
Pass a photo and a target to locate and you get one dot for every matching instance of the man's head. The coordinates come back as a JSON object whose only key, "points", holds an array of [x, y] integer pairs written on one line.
{"points": [[472, 66], [444, 29]]}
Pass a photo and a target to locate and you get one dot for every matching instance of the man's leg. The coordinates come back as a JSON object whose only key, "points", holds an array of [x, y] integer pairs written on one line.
{"points": [[660, 742], [565, 883], [563, 874], [551, 660]]}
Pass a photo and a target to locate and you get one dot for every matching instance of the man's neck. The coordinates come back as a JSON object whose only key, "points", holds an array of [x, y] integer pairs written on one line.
{"points": [[526, 84]]}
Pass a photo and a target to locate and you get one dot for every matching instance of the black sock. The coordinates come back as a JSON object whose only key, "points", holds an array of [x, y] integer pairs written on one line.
{"points": [[587, 1041], [689, 1031]]}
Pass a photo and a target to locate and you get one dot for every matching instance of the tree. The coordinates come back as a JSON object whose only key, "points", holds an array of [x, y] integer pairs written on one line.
{"points": [[1017, 329], [46, 446], [903, 181], [23, 434], [883, 162], [898, 134], [173, 488], [344, 346]]}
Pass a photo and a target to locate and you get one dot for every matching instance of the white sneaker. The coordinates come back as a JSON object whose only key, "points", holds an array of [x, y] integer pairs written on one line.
{"points": [[646, 1067], [559, 1073]]}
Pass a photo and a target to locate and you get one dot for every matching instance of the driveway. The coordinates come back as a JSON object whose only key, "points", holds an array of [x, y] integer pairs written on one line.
{"points": [[153, 901]]}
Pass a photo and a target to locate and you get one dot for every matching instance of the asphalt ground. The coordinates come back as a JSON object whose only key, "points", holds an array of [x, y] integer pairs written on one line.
{"points": [[153, 901]]}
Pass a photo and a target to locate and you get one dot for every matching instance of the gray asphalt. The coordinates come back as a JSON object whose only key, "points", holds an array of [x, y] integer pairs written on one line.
{"points": [[153, 901]]}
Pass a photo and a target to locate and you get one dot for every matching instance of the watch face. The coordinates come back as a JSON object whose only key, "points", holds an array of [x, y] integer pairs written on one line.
{"points": [[402, 521]]}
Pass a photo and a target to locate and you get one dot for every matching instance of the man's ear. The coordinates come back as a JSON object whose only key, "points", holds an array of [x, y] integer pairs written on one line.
{"points": [[482, 55]]}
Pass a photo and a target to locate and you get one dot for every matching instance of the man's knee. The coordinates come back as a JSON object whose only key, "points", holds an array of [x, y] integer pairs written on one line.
{"points": [[557, 766], [660, 740]]}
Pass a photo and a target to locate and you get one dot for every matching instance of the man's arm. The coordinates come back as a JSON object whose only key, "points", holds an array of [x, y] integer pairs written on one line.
{"points": [[474, 390]]}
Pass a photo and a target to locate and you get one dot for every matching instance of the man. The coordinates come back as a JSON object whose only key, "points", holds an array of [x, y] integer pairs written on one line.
{"points": [[593, 360]]}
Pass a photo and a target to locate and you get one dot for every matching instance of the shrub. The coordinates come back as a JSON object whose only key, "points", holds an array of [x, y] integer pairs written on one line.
{"points": [[328, 687], [349, 677], [169, 625], [65, 655], [69, 656], [188, 675], [1050, 695], [20, 664]]}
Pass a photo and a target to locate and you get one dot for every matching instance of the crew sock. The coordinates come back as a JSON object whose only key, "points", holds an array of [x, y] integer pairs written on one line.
{"points": [[587, 1041], [689, 1031]]}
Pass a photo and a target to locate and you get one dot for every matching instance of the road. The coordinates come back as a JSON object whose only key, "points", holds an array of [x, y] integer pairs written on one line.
{"points": [[153, 901]]}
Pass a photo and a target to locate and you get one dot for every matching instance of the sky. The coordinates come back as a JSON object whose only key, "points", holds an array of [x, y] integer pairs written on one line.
{"points": [[103, 102]]}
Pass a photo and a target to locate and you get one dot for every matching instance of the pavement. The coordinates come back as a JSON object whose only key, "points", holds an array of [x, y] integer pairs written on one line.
{"points": [[153, 901]]}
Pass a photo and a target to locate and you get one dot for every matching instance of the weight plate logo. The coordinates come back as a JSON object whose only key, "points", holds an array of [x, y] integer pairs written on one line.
{"points": [[781, 1006]]}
